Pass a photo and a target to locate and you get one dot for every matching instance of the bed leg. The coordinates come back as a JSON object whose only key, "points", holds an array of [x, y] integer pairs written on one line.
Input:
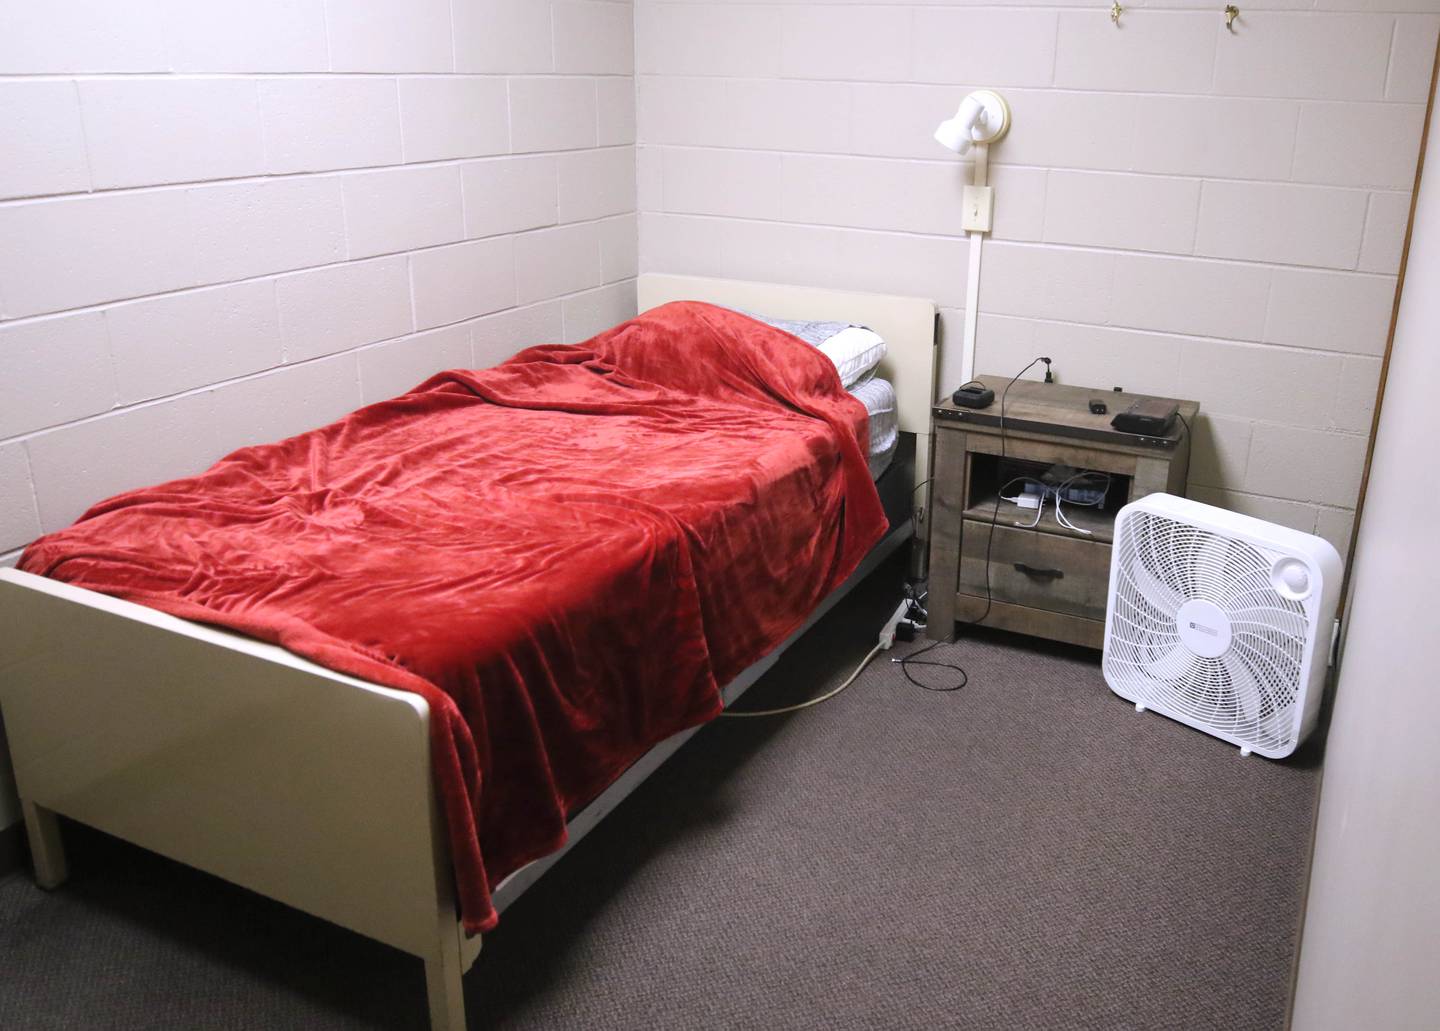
{"points": [[47, 851], [444, 984]]}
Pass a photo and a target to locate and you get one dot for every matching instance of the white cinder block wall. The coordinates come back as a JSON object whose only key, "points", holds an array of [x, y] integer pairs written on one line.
{"points": [[1179, 209], [227, 222]]}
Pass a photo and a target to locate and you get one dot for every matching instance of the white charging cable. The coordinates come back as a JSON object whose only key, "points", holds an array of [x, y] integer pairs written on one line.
{"points": [[1103, 488]]}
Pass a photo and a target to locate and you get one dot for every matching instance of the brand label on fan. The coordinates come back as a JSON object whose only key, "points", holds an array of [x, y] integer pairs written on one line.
{"points": [[1203, 628]]}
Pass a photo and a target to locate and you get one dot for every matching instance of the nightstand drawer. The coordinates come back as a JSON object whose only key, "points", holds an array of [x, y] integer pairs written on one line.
{"points": [[1037, 570]]}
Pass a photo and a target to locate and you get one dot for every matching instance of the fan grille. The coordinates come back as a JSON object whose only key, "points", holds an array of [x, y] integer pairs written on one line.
{"points": [[1250, 693]]}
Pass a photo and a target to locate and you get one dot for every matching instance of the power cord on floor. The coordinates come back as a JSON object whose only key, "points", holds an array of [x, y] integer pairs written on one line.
{"points": [[919, 618], [913, 659], [822, 698]]}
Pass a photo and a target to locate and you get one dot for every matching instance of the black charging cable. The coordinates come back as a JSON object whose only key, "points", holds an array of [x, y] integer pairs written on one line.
{"points": [[914, 657], [995, 510]]}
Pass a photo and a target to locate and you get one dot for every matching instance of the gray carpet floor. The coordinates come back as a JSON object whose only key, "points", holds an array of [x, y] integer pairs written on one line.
{"points": [[1027, 852]]}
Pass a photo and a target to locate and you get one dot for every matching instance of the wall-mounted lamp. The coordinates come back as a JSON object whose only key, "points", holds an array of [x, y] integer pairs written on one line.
{"points": [[983, 117]]}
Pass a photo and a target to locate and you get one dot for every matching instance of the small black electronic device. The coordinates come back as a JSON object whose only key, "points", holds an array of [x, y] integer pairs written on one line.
{"points": [[974, 395], [1098, 407], [1151, 416]]}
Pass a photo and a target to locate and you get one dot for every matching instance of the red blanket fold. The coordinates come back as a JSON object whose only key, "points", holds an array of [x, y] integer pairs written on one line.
{"points": [[564, 555]]}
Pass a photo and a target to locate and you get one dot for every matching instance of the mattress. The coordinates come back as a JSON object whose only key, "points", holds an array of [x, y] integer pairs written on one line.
{"points": [[878, 397]]}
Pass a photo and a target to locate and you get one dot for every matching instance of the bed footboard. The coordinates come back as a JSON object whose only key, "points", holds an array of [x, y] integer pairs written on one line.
{"points": [[232, 756]]}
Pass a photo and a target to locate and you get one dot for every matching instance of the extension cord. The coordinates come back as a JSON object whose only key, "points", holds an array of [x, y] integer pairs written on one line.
{"points": [[887, 640], [887, 632]]}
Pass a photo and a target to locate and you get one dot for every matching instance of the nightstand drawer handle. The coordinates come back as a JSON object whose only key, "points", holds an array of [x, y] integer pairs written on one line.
{"points": [[1040, 574]]}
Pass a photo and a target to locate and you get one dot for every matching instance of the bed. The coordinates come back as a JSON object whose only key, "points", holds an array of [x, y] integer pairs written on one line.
{"points": [[220, 750]]}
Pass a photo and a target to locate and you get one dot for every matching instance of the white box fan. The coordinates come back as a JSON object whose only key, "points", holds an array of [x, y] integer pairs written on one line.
{"points": [[1220, 621]]}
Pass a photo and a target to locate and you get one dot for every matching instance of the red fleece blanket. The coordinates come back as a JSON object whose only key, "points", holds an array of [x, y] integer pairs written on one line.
{"points": [[564, 555]]}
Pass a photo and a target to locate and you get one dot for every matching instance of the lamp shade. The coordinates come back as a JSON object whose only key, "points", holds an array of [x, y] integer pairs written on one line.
{"points": [[983, 117], [954, 135]]}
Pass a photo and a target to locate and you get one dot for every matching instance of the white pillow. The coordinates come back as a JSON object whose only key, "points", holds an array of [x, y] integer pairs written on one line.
{"points": [[855, 351]]}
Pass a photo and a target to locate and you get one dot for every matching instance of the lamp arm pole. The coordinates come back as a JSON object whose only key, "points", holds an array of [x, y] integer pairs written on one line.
{"points": [[972, 272]]}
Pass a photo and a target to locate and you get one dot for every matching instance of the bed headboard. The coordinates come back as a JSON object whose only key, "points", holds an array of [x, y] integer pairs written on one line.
{"points": [[906, 323]]}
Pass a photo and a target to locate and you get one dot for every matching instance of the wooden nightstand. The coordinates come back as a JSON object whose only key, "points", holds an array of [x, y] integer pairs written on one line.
{"points": [[1048, 580]]}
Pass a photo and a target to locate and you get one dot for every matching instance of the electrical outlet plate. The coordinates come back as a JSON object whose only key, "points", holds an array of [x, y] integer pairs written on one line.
{"points": [[978, 203]]}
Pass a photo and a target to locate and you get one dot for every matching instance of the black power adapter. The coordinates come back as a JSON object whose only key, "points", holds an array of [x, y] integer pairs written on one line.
{"points": [[974, 395]]}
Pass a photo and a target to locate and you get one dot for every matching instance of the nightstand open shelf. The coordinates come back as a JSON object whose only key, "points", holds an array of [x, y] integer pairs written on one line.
{"points": [[989, 475], [1100, 524], [1048, 579]]}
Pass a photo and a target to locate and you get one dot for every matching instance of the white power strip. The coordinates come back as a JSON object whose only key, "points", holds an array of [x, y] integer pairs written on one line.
{"points": [[887, 632]]}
